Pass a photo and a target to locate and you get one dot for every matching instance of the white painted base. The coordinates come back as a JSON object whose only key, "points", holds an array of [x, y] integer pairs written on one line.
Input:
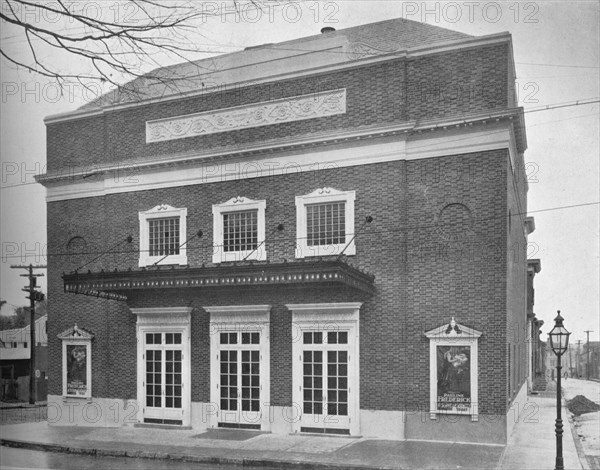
{"points": [[276, 419], [96, 412], [201, 415], [519, 406], [382, 424], [281, 419]]}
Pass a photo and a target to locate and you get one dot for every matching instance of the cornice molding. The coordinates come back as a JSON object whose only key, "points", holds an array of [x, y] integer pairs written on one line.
{"points": [[362, 59], [337, 151]]}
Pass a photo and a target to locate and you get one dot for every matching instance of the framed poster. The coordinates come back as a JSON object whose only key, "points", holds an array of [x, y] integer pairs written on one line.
{"points": [[77, 362], [453, 378], [77, 367], [453, 370]]}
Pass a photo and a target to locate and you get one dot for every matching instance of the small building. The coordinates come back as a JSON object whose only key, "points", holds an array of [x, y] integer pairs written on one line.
{"points": [[589, 360], [326, 235], [15, 357], [536, 347]]}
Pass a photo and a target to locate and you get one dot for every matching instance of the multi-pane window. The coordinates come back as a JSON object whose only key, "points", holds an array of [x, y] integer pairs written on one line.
{"points": [[326, 223], [164, 374], [240, 231], [325, 373], [164, 236], [240, 372], [154, 378], [162, 233]]}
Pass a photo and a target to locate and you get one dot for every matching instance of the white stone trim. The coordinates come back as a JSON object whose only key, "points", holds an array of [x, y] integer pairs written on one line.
{"points": [[379, 424], [200, 170], [264, 113], [447, 335], [162, 315], [327, 317], [160, 212], [160, 320], [324, 311], [233, 313], [234, 205], [241, 318], [76, 334], [319, 196]]}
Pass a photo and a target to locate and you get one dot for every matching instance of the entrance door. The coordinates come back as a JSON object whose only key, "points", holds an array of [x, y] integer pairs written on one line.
{"points": [[163, 378], [326, 392], [240, 383]]}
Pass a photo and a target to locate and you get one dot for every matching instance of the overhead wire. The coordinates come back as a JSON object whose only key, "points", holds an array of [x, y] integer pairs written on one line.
{"points": [[373, 232], [551, 107]]}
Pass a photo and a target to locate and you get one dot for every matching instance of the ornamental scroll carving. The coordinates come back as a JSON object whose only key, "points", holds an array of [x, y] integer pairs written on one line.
{"points": [[360, 50], [327, 103]]}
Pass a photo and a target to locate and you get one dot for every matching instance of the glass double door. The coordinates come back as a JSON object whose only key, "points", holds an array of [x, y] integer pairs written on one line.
{"points": [[240, 380], [325, 388], [163, 378]]}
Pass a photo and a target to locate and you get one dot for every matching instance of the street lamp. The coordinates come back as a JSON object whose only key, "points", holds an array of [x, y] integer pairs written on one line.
{"points": [[559, 342]]}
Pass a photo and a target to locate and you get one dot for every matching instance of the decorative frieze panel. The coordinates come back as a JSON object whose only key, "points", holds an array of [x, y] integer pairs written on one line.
{"points": [[326, 103]]}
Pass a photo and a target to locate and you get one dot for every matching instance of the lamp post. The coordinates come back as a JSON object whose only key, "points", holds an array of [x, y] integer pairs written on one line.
{"points": [[559, 342]]}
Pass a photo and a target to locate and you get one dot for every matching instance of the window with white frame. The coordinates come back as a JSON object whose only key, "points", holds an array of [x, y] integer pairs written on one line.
{"points": [[325, 223], [240, 366], [162, 232], [326, 367], [239, 230]]}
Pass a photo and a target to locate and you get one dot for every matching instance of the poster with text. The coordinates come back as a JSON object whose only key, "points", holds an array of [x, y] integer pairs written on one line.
{"points": [[77, 370], [454, 379]]}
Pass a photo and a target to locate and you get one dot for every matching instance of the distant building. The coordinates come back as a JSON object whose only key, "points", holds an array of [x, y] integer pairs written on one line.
{"points": [[589, 364], [536, 347], [328, 236], [15, 356]]}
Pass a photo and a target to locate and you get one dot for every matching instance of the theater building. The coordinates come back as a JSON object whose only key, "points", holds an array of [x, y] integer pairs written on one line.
{"points": [[326, 235]]}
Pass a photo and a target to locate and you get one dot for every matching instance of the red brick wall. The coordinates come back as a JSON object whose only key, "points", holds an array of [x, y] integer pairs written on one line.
{"points": [[516, 282], [428, 87], [425, 273]]}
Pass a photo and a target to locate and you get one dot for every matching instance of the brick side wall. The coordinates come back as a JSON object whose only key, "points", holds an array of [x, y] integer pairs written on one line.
{"points": [[427, 267], [428, 87], [516, 282], [456, 266]]}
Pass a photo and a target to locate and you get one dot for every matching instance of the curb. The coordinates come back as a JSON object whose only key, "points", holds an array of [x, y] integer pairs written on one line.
{"points": [[22, 406], [140, 454], [578, 445]]}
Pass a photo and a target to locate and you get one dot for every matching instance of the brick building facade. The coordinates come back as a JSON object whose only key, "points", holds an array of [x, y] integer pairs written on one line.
{"points": [[323, 235]]}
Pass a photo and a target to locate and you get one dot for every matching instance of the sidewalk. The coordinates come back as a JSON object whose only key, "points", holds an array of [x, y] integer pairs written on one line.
{"points": [[531, 446], [21, 404]]}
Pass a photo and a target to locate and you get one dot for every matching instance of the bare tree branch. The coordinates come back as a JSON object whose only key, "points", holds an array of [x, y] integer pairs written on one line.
{"points": [[118, 48]]}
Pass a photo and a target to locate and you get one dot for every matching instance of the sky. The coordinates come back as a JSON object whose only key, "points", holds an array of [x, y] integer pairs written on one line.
{"points": [[556, 50]]}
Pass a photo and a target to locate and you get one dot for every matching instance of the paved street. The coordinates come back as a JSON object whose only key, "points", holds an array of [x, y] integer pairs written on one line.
{"points": [[587, 424], [22, 458]]}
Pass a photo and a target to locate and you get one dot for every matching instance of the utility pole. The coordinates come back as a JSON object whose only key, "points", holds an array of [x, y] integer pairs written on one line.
{"points": [[570, 361], [578, 354], [34, 296], [587, 361]]}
